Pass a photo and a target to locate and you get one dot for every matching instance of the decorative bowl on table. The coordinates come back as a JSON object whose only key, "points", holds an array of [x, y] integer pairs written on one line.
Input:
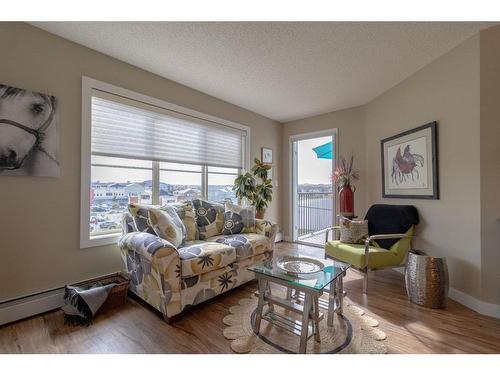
{"points": [[295, 265]]}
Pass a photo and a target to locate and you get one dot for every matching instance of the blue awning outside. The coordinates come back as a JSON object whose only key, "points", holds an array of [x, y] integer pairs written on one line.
{"points": [[324, 151]]}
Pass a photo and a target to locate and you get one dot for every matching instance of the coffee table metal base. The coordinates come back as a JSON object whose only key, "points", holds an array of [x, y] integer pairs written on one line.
{"points": [[308, 308]]}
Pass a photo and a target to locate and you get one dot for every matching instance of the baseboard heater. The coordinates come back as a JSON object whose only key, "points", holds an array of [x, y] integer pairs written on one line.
{"points": [[24, 307], [36, 303]]}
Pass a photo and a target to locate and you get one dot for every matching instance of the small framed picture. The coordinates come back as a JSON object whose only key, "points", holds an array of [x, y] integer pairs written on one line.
{"points": [[410, 164], [267, 155]]}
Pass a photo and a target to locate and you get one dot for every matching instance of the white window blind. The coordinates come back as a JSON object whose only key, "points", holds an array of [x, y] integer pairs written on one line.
{"points": [[131, 129]]}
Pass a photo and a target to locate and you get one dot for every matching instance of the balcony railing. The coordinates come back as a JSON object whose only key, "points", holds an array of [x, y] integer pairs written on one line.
{"points": [[314, 214]]}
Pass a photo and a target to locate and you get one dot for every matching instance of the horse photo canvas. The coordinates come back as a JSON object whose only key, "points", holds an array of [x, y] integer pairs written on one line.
{"points": [[28, 133], [409, 164]]}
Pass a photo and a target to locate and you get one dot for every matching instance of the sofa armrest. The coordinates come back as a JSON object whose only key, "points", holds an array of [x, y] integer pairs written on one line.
{"points": [[154, 269], [266, 228], [148, 245]]}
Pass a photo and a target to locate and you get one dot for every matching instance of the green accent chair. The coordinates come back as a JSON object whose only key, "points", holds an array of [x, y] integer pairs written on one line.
{"points": [[370, 255]]}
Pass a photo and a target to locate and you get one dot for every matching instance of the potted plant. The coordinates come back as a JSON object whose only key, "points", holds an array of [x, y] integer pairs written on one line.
{"points": [[255, 187], [345, 176]]}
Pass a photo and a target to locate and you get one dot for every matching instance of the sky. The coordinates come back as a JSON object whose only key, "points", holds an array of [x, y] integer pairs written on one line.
{"points": [[312, 170], [107, 174]]}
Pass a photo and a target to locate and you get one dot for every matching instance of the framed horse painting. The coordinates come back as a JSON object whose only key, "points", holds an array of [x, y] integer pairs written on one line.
{"points": [[28, 133], [410, 164]]}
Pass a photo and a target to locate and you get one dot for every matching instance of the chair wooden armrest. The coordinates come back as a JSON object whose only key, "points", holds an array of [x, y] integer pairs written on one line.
{"points": [[328, 230]]}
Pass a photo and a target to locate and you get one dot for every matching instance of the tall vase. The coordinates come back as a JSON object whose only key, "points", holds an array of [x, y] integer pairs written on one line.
{"points": [[346, 199]]}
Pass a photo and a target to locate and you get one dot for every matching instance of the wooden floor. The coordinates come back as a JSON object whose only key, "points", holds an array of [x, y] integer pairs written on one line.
{"points": [[136, 328]]}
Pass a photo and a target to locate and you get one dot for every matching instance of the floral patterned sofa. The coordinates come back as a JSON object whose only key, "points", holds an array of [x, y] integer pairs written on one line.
{"points": [[206, 264]]}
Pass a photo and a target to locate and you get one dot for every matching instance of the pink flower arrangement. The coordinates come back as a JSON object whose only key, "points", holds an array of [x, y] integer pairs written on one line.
{"points": [[345, 174]]}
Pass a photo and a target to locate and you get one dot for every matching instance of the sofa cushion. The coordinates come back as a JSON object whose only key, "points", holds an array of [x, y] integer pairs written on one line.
{"points": [[198, 257], [209, 218], [185, 212], [246, 244], [238, 219], [167, 225]]}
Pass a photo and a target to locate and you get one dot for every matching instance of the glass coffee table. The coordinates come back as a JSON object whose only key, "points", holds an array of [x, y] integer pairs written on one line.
{"points": [[310, 286]]}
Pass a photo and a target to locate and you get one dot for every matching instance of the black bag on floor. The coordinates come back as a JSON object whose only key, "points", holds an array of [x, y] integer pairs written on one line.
{"points": [[81, 304]]}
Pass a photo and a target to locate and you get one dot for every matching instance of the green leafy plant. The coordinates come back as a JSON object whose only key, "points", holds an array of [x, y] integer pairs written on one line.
{"points": [[244, 186], [255, 186]]}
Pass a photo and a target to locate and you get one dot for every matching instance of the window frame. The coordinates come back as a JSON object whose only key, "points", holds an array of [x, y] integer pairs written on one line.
{"points": [[90, 84]]}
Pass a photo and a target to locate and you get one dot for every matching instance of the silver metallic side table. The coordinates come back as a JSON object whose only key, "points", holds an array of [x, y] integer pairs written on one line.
{"points": [[426, 279]]}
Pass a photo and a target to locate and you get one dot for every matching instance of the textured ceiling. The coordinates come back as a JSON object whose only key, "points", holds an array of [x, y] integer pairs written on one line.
{"points": [[284, 71]]}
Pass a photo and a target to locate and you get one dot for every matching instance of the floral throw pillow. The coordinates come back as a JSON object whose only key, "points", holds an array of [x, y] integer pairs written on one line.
{"points": [[209, 218], [167, 225], [140, 217], [238, 219], [186, 213], [353, 231]]}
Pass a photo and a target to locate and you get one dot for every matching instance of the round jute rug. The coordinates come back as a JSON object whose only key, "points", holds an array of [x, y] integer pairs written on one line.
{"points": [[353, 332]]}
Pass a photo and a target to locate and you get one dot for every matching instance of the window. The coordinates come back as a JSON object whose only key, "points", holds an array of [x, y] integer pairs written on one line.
{"points": [[180, 182], [140, 149], [220, 183], [114, 183]]}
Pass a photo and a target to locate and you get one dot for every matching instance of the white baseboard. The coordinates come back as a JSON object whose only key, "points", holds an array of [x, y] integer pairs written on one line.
{"points": [[29, 306], [401, 270], [484, 308]]}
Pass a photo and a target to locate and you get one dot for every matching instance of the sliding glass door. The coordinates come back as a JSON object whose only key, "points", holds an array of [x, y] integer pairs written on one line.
{"points": [[313, 197]]}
